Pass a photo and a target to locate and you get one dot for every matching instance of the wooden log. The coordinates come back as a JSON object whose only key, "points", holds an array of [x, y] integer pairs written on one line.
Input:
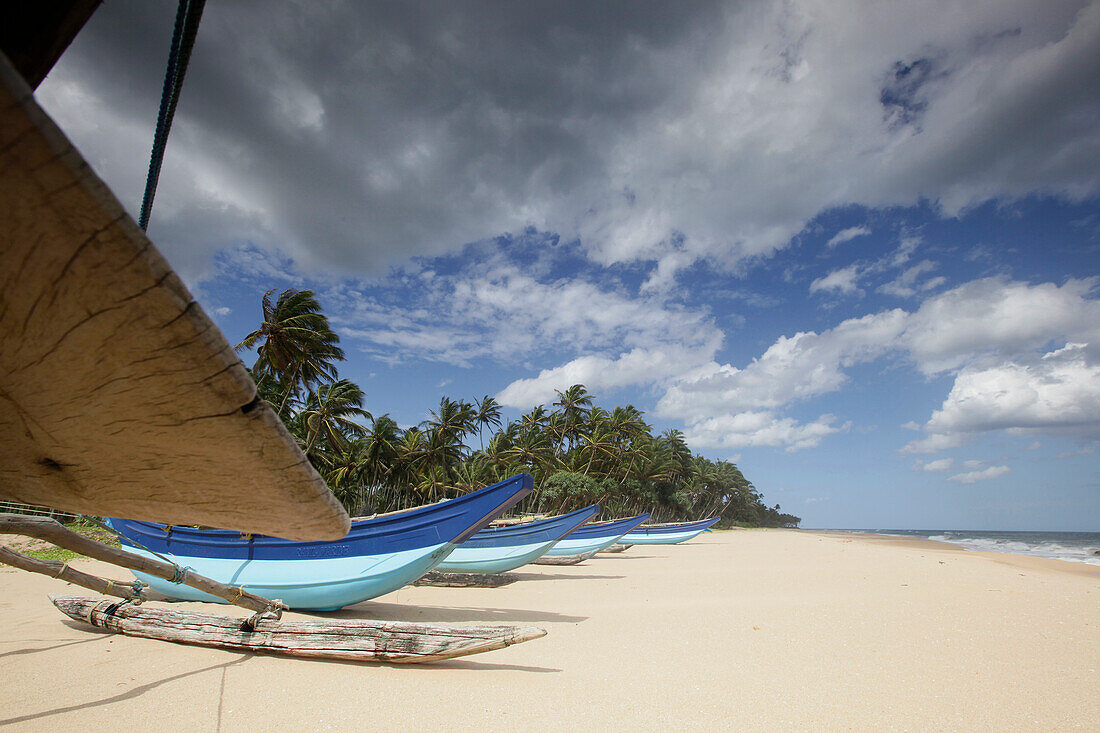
{"points": [[563, 559], [118, 395], [50, 530], [466, 580], [348, 639], [616, 548], [62, 571]]}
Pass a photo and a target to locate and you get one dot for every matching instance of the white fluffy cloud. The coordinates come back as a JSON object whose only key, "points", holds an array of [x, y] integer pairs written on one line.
{"points": [[942, 464], [841, 281], [963, 329], [792, 369], [493, 308], [997, 319], [846, 235], [1058, 393], [761, 428], [726, 406], [986, 474], [637, 366]]}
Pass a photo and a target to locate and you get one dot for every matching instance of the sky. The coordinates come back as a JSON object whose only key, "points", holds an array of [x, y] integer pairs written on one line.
{"points": [[854, 248]]}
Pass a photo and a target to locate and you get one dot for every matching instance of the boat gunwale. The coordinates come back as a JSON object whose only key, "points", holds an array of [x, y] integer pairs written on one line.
{"points": [[675, 526], [419, 523], [523, 531]]}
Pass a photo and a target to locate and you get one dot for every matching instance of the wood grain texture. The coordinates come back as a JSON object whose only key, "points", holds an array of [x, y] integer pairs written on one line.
{"points": [[349, 639], [118, 396]]}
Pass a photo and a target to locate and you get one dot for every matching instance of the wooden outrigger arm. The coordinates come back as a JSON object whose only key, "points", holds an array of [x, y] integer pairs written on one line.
{"points": [[51, 530]]}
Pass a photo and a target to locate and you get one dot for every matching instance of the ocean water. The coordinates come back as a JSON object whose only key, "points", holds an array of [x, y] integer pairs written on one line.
{"points": [[1074, 546]]}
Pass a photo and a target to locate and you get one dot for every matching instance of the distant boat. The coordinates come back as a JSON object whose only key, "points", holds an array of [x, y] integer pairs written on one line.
{"points": [[377, 556], [500, 549], [594, 537], [666, 534]]}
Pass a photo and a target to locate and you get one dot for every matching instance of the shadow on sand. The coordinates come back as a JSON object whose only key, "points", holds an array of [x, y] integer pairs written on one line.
{"points": [[375, 611], [559, 576], [36, 650], [129, 694]]}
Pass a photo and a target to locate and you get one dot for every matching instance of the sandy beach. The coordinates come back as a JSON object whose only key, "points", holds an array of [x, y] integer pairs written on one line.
{"points": [[758, 630]]}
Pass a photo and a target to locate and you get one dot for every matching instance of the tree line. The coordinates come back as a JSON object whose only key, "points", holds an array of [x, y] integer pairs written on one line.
{"points": [[578, 452]]}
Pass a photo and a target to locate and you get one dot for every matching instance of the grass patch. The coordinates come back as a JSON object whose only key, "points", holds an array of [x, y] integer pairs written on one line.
{"points": [[53, 553], [87, 529]]}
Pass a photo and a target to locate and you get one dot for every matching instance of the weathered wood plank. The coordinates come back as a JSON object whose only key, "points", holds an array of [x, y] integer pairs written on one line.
{"points": [[118, 396], [616, 548], [350, 639], [563, 559], [466, 580]]}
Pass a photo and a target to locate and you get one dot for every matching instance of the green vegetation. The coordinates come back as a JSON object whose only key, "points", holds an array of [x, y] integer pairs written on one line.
{"points": [[578, 452], [81, 527]]}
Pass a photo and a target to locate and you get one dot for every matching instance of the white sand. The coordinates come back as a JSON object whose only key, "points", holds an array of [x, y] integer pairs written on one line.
{"points": [[758, 630]]}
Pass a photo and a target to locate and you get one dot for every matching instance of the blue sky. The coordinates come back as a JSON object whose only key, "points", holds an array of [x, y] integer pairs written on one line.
{"points": [[856, 252]]}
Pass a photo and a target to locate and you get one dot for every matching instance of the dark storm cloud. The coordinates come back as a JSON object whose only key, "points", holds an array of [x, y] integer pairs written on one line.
{"points": [[352, 135], [362, 130]]}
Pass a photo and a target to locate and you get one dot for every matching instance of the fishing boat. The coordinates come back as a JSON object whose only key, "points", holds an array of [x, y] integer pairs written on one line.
{"points": [[500, 549], [666, 534], [595, 536], [377, 556]]}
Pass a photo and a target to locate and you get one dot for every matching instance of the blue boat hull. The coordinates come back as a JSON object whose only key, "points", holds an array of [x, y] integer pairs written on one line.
{"points": [[498, 550], [317, 585], [594, 537], [377, 556], [666, 534]]}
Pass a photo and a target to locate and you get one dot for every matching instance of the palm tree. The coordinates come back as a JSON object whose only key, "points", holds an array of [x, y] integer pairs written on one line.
{"points": [[410, 459], [445, 432], [681, 454], [346, 469], [330, 412], [295, 343], [472, 474], [456, 418], [382, 451], [533, 450], [575, 403], [486, 414], [533, 420]]}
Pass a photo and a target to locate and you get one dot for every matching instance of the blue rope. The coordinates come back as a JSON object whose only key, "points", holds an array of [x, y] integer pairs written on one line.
{"points": [[179, 573], [188, 15]]}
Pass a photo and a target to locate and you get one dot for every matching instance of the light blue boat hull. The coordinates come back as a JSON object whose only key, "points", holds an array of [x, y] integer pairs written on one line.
{"points": [[492, 559], [595, 537], [633, 538], [324, 584], [581, 547], [666, 534]]}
